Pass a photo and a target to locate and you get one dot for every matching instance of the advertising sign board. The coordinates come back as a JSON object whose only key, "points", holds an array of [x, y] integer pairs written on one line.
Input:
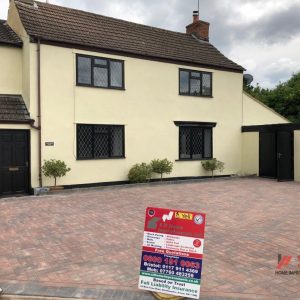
{"points": [[172, 252]]}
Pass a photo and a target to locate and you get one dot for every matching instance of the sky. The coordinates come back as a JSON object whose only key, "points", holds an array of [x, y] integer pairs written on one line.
{"points": [[261, 35]]}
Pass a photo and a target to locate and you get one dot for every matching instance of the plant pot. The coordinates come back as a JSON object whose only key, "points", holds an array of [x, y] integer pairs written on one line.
{"points": [[56, 188], [161, 296]]}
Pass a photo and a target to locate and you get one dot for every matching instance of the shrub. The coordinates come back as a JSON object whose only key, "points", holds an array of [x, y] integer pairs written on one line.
{"points": [[213, 165], [55, 168], [161, 167], [140, 173]]}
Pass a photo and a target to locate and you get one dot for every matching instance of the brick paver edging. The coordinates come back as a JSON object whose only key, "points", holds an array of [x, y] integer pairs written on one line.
{"points": [[35, 291]]}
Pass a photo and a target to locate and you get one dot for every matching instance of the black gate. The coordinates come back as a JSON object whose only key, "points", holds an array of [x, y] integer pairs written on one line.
{"points": [[276, 155], [14, 162], [285, 155]]}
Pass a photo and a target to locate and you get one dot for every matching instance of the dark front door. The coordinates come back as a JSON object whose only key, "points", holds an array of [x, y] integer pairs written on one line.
{"points": [[14, 162], [285, 162], [267, 155]]}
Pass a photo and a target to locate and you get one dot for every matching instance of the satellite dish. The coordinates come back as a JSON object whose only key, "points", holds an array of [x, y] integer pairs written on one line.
{"points": [[248, 78]]}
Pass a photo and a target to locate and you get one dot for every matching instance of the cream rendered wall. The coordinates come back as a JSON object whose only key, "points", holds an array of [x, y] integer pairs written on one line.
{"points": [[11, 70], [297, 155], [15, 23], [147, 108], [250, 153], [256, 113]]}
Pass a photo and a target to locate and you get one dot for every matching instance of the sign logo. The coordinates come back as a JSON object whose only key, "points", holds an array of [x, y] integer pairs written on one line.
{"points": [[286, 265], [152, 224], [151, 212], [183, 216], [197, 243], [198, 219], [168, 217]]}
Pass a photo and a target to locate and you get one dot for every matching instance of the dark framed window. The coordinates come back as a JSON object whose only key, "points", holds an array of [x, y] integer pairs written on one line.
{"points": [[100, 141], [99, 72], [195, 83], [195, 140]]}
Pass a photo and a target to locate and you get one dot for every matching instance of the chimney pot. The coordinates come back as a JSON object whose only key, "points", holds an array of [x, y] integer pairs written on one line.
{"points": [[198, 28], [195, 16]]}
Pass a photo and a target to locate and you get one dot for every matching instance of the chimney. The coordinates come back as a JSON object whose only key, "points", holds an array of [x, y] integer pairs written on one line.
{"points": [[198, 28]]}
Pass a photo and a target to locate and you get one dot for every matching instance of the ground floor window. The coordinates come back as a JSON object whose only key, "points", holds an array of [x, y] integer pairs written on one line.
{"points": [[100, 141], [195, 140]]}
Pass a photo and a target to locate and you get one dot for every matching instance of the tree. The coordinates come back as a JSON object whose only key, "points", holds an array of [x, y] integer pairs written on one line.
{"points": [[161, 167], [55, 168], [213, 165]]}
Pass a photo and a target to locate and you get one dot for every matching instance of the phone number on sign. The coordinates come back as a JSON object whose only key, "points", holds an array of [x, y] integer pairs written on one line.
{"points": [[189, 268]]}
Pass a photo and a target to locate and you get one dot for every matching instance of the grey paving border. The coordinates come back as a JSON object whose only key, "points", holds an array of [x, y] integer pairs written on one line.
{"points": [[36, 291], [128, 186]]}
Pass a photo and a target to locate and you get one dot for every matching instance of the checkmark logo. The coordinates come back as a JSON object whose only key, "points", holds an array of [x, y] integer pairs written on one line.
{"points": [[198, 219]]}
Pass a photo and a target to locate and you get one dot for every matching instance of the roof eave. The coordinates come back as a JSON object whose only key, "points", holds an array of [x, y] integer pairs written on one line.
{"points": [[19, 122], [34, 39], [11, 44]]}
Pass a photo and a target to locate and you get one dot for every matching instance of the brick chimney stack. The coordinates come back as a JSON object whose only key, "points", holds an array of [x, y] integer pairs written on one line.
{"points": [[198, 28]]}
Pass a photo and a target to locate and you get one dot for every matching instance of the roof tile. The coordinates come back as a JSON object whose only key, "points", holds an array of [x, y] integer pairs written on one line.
{"points": [[8, 36], [64, 25], [13, 108]]}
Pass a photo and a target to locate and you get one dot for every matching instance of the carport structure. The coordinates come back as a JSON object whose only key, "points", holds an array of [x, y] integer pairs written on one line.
{"points": [[272, 151]]}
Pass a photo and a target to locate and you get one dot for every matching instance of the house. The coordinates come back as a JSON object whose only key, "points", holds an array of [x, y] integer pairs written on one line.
{"points": [[103, 94]]}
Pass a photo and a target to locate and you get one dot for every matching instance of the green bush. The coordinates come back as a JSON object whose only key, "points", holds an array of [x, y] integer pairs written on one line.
{"points": [[213, 165], [140, 173], [55, 168], [161, 167]]}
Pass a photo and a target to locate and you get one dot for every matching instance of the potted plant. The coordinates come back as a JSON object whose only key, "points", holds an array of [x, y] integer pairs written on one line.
{"points": [[161, 166], [140, 173], [213, 165], [56, 169]]}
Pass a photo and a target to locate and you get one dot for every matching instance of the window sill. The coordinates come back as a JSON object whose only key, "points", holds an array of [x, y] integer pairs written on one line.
{"points": [[189, 159], [100, 87], [196, 96], [104, 158]]}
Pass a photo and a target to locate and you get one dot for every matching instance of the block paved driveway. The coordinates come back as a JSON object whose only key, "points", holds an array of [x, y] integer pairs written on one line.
{"points": [[91, 239]]}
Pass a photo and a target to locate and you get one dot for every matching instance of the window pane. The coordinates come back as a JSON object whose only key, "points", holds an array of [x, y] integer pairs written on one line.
{"points": [[184, 82], [116, 74], [185, 142], [101, 147], [208, 143], [117, 141], [196, 74], [102, 62], [197, 142], [195, 87], [84, 70], [206, 84], [100, 77], [84, 141]]}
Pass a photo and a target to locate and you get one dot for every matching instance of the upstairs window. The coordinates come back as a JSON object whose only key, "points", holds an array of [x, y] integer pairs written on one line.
{"points": [[195, 83], [195, 140], [100, 141], [99, 72]]}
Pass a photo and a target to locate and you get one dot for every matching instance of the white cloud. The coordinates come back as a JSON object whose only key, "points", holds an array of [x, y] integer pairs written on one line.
{"points": [[3, 9], [269, 63]]}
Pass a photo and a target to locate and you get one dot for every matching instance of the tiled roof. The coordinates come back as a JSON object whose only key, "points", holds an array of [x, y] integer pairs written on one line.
{"points": [[13, 108], [8, 36], [79, 28]]}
